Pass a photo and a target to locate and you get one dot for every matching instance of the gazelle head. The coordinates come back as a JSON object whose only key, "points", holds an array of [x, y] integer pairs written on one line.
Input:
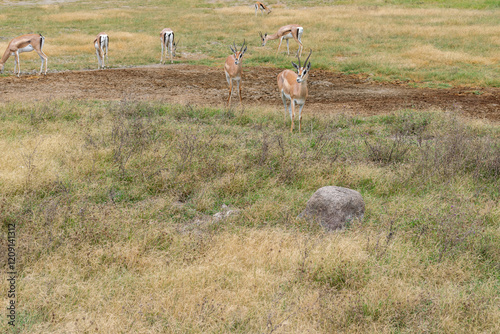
{"points": [[238, 54], [174, 47], [302, 72], [263, 38]]}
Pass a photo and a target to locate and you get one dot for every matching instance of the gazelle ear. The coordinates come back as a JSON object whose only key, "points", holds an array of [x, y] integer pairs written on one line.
{"points": [[309, 66], [232, 49], [244, 50], [175, 44], [295, 65]]}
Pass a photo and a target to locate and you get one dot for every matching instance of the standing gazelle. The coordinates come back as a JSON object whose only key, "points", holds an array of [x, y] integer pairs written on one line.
{"points": [[293, 87], [233, 69], [101, 44], [294, 31], [167, 45], [262, 7], [24, 43]]}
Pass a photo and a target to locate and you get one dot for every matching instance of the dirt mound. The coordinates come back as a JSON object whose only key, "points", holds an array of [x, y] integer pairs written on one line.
{"points": [[329, 92]]}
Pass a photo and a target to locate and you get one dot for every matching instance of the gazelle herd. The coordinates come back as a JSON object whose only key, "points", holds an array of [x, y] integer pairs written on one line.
{"points": [[292, 87]]}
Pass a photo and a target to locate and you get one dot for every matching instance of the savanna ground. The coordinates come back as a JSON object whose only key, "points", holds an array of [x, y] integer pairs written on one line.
{"points": [[114, 178]]}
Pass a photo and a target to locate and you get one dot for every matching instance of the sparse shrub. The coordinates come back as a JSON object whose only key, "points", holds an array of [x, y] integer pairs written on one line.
{"points": [[128, 138], [457, 152], [411, 123], [388, 150]]}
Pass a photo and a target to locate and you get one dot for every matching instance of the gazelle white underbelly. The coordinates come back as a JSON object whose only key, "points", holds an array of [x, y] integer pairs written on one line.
{"points": [[300, 101], [288, 36], [297, 101], [27, 48]]}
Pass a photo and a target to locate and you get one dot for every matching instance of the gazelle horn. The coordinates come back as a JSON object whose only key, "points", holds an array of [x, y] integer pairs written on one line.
{"points": [[242, 46], [310, 52]]}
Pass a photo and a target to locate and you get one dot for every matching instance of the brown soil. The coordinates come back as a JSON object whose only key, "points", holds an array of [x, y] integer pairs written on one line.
{"points": [[329, 92]]}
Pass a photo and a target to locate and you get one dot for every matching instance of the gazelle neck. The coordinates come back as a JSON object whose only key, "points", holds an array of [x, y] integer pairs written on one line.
{"points": [[5, 56], [271, 37]]}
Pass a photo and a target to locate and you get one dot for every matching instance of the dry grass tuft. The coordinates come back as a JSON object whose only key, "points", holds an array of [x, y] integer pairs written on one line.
{"points": [[87, 16], [426, 55]]}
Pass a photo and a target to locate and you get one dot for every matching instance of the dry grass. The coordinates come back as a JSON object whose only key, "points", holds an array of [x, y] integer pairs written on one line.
{"points": [[428, 55], [114, 205], [88, 16]]}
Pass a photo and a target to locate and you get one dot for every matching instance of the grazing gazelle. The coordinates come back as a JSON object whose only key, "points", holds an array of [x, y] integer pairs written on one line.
{"points": [[233, 69], [167, 44], [293, 87], [24, 43], [286, 32], [101, 44], [262, 7]]}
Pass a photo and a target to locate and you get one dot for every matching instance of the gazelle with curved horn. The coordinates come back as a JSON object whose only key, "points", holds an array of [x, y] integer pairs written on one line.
{"points": [[101, 44], [262, 7], [293, 87], [294, 31], [167, 45], [234, 70], [24, 43]]}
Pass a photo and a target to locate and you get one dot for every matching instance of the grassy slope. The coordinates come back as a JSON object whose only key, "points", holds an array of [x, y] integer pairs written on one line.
{"points": [[426, 44], [113, 205]]}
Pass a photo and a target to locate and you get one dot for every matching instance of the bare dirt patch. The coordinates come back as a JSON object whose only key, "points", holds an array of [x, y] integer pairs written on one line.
{"points": [[180, 83]]}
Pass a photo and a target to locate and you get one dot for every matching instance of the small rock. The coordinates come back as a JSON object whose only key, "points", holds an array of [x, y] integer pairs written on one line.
{"points": [[226, 212]]}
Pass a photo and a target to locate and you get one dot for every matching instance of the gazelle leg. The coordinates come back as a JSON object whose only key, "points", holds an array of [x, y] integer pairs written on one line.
{"points": [[230, 91], [283, 97], [161, 57], [15, 64], [239, 90], [287, 47], [102, 53], [292, 112], [18, 65], [46, 61], [41, 66], [300, 117], [279, 46], [98, 59], [171, 49]]}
